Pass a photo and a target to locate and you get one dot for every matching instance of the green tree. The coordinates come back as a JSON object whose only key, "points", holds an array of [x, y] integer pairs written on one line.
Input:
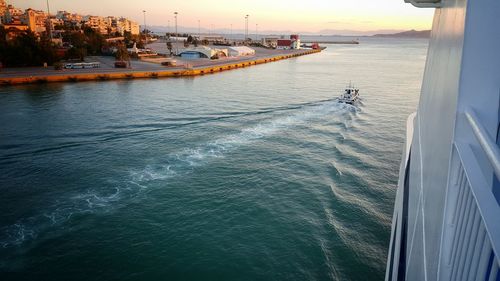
{"points": [[76, 53], [128, 37], [76, 39], [122, 53], [94, 41], [26, 49]]}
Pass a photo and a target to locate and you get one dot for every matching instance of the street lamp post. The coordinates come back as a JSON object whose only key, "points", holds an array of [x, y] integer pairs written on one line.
{"points": [[49, 25], [246, 27], [231, 32], [256, 32], [176, 35], [199, 30], [145, 27]]}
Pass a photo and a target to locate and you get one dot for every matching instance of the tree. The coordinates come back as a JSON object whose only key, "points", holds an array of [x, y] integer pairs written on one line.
{"points": [[190, 39], [128, 37], [94, 41], [76, 39], [3, 36], [76, 53], [122, 53], [140, 44], [26, 49]]}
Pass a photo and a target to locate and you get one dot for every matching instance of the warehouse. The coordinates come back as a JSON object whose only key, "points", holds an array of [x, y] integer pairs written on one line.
{"points": [[240, 51]]}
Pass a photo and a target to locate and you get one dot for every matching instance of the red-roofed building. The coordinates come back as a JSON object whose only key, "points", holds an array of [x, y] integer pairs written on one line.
{"points": [[284, 44], [292, 43]]}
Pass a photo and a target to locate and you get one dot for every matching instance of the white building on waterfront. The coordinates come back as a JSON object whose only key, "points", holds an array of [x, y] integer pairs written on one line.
{"points": [[239, 51], [271, 42], [203, 52]]}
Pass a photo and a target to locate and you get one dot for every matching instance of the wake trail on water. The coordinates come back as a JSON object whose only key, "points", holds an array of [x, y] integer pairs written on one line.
{"points": [[118, 193], [117, 132]]}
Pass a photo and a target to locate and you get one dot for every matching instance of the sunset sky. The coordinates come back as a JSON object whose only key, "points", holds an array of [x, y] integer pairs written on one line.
{"points": [[271, 15]]}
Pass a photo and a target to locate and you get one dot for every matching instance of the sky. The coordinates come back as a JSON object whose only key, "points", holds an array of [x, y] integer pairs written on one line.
{"points": [[312, 16]]}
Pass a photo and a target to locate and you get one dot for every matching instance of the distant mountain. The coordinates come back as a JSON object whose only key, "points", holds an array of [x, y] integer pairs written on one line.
{"points": [[391, 33], [348, 32], [407, 34]]}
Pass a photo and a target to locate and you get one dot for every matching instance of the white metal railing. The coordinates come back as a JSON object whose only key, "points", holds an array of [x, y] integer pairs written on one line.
{"points": [[472, 256], [487, 143], [472, 231]]}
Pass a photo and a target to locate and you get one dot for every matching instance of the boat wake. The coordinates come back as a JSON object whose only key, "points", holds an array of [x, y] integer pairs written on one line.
{"points": [[137, 182]]}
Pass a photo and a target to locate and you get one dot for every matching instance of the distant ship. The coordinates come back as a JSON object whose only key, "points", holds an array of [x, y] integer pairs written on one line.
{"points": [[446, 222], [350, 95]]}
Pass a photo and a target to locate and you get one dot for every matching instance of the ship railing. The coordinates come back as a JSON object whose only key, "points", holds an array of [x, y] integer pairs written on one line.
{"points": [[471, 235]]}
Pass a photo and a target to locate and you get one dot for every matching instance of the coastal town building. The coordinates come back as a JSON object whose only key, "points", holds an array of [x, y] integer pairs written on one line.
{"points": [[12, 15], [39, 21], [69, 18], [111, 25], [3, 9], [99, 24], [35, 20], [124, 25], [13, 30]]}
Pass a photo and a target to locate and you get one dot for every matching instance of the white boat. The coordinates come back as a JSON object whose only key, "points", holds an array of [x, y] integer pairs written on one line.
{"points": [[446, 222], [350, 95]]}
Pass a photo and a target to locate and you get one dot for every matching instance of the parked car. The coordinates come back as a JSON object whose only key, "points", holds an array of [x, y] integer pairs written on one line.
{"points": [[169, 63], [120, 64]]}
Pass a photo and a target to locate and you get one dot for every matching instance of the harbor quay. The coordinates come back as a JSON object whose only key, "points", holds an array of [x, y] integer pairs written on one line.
{"points": [[145, 68]]}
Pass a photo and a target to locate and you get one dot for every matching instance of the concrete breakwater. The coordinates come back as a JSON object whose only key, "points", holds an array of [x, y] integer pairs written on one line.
{"points": [[347, 42], [97, 75]]}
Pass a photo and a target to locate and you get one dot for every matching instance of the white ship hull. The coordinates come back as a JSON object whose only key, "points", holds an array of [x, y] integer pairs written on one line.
{"points": [[446, 223]]}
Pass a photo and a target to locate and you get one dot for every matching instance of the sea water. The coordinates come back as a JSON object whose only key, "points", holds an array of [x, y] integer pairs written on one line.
{"points": [[251, 174]]}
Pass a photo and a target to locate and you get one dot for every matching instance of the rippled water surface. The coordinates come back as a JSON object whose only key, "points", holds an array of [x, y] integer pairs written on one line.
{"points": [[251, 174]]}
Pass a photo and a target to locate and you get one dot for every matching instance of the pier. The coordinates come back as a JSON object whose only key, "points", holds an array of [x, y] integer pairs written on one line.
{"points": [[37, 75], [347, 42]]}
